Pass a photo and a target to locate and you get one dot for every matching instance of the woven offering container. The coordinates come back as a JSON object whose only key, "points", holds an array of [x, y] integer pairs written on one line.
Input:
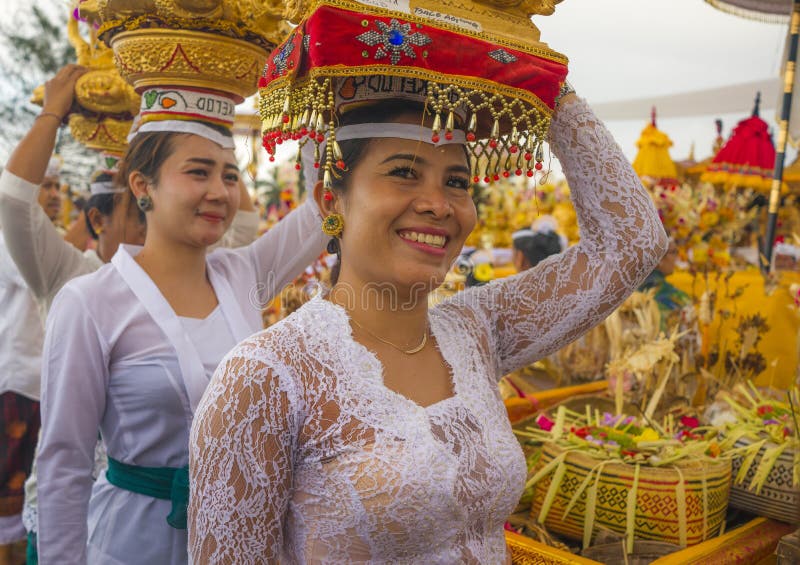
{"points": [[644, 552], [778, 498], [683, 504]]}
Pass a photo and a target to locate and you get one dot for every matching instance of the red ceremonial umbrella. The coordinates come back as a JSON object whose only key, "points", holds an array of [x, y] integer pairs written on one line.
{"points": [[771, 10], [747, 158]]}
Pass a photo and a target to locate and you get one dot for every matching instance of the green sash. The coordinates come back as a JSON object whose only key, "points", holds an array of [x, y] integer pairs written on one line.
{"points": [[165, 483], [31, 555]]}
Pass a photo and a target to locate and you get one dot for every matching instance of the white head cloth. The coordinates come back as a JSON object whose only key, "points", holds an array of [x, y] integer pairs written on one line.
{"points": [[184, 110], [182, 126], [370, 131], [53, 167], [543, 224], [106, 187], [519, 234]]}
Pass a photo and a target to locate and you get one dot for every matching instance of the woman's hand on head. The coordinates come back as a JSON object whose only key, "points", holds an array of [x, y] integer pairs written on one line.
{"points": [[567, 98], [59, 91]]}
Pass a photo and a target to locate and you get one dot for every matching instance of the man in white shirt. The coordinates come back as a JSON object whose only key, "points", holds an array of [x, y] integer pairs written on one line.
{"points": [[21, 338], [50, 190]]}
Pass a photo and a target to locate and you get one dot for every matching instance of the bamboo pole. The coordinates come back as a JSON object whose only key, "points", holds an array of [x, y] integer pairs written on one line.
{"points": [[780, 155]]}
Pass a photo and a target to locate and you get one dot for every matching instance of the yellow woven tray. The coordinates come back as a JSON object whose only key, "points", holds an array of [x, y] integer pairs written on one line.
{"points": [[749, 544], [681, 505]]}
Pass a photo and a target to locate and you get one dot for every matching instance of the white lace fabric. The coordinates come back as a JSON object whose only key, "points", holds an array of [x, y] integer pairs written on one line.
{"points": [[300, 454]]}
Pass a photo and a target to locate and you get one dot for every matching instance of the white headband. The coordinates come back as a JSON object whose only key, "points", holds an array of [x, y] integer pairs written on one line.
{"points": [[107, 187], [519, 234], [184, 126], [53, 167], [401, 131], [370, 131], [542, 225]]}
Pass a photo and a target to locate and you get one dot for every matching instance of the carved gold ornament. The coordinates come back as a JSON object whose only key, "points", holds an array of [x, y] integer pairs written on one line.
{"points": [[153, 57], [101, 90], [106, 134], [212, 44]]}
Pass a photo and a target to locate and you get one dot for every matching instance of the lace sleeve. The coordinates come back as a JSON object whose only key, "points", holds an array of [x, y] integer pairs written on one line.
{"points": [[241, 456], [543, 309]]}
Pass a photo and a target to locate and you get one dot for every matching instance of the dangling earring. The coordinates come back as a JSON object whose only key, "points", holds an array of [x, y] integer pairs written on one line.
{"points": [[333, 246], [333, 225], [145, 203]]}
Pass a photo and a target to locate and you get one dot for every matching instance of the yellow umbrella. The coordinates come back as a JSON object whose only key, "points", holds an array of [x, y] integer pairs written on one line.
{"points": [[653, 158]]}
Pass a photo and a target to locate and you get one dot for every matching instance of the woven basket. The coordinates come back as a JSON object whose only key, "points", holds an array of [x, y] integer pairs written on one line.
{"points": [[658, 509], [778, 498], [644, 552]]}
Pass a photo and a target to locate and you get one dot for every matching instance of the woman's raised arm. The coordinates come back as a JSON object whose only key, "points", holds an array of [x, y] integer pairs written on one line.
{"points": [[540, 310]]}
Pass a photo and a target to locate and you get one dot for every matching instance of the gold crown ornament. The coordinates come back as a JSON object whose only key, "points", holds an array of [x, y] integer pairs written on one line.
{"points": [[217, 45], [478, 67]]}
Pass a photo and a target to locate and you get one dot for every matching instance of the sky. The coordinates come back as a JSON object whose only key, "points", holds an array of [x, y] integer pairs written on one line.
{"points": [[623, 50], [631, 49]]}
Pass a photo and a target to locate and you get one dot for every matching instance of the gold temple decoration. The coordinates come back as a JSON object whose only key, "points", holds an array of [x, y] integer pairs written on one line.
{"points": [[218, 45], [104, 103]]}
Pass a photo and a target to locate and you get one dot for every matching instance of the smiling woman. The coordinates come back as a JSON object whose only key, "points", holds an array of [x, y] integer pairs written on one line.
{"points": [[374, 198], [366, 427], [134, 344]]}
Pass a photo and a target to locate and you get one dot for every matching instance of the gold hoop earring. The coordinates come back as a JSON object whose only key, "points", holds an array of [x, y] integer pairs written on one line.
{"points": [[333, 225]]}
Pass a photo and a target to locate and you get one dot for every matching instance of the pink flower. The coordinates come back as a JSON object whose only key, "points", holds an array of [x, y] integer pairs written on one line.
{"points": [[689, 422], [545, 423]]}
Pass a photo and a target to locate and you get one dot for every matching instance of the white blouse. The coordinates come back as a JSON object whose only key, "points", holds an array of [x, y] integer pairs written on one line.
{"points": [[211, 337], [300, 453], [118, 358], [21, 331]]}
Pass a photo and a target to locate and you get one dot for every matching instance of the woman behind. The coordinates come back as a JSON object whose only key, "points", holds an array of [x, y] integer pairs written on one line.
{"points": [[532, 246], [129, 349], [367, 427], [45, 260]]}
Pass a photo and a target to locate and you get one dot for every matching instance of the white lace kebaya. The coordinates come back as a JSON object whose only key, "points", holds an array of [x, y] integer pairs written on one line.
{"points": [[300, 454]]}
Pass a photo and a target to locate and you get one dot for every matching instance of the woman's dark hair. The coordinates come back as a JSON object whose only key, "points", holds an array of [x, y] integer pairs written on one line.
{"points": [[538, 246], [104, 203], [353, 150]]}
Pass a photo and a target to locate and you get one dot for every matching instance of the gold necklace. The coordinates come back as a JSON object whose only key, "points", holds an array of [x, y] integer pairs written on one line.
{"points": [[411, 351]]}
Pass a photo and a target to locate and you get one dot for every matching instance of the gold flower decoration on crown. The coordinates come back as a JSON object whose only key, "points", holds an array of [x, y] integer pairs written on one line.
{"points": [[263, 18], [296, 9], [507, 20], [526, 7]]}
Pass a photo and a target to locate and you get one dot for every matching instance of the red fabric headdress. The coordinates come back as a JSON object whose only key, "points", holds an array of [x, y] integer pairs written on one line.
{"points": [[464, 63]]}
